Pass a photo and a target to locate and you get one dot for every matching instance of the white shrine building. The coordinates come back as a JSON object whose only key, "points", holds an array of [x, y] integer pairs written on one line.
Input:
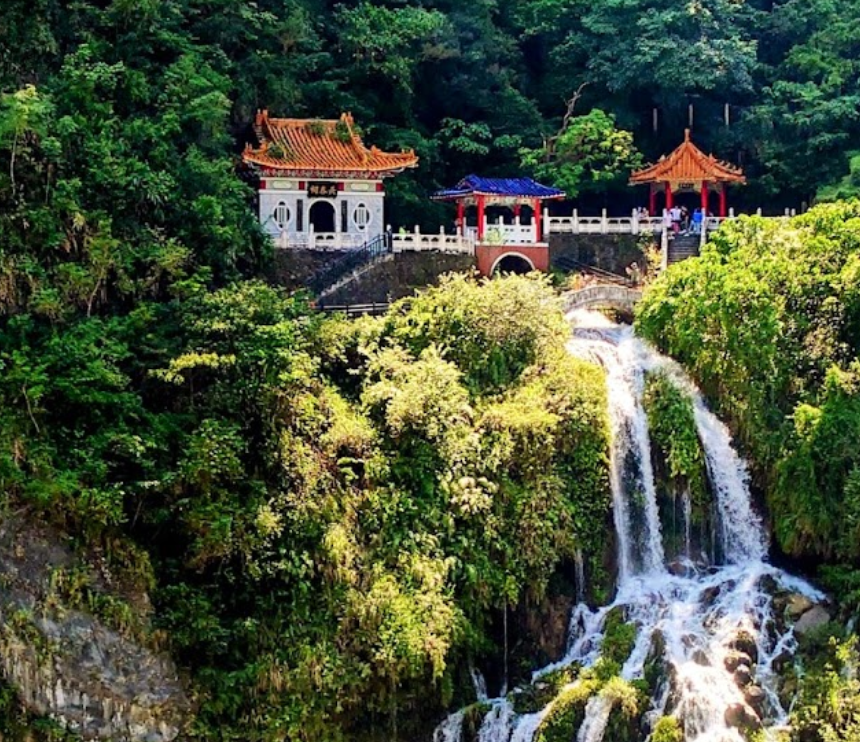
{"points": [[320, 187]]}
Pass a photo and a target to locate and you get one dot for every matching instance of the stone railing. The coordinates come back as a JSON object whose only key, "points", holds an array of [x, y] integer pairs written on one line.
{"points": [[633, 224], [441, 241], [515, 233], [318, 241], [603, 224], [600, 295]]}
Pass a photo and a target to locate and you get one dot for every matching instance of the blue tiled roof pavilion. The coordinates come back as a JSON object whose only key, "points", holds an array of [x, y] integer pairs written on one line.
{"points": [[498, 190]]}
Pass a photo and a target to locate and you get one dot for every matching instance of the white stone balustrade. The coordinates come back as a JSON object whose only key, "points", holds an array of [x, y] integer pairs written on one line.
{"points": [[441, 241], [317, 241], [633, 224], [495, 233]]}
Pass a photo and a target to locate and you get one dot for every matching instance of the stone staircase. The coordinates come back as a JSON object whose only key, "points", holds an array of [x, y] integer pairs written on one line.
{"points": [[683, 246], [349, 267]]}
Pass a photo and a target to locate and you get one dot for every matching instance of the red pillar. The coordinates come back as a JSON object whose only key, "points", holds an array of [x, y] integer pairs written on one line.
{"points": [[652, 200], [724, 200], [669, 203], [517, 210], [538, 219], [461, 216], [480, 218], [704, 198]]}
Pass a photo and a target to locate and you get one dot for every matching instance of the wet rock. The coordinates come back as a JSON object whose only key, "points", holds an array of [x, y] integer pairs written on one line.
{"points": [[700, 658], [742, 716], [813, 619], [744, 642], [797, 605], [709, 596], [743, 675], [546, 627], [534, 697], [679, 568], [734, 659], [769, 585], [755, 697], [655, 668], [782, 661]]}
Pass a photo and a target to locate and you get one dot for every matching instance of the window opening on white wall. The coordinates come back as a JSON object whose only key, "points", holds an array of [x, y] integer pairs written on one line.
{"points": [[361, 216], [281, 215]]}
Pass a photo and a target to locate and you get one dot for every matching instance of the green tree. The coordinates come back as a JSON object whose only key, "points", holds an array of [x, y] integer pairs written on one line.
{"points": [[589, 154]]}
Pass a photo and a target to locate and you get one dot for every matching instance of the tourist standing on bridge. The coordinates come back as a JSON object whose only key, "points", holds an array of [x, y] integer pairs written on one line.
{"points": [[634, 274]]}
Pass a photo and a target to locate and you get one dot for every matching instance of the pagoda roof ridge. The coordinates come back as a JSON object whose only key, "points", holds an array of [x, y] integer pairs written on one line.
{"points": [[326, 146], [687, 163]]}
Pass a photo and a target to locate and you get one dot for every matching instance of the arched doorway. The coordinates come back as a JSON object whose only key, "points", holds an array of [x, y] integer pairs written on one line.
{"points": [[321, 216], [513, 263]]}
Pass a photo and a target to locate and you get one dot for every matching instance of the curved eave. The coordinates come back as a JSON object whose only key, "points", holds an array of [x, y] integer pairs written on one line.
{"points": [[498, 196], [382, 169], [657, 176]]}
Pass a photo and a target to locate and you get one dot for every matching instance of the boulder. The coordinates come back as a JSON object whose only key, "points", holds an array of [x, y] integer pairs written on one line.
{"points": [[680, 568], [755, 697], [813, 619], [742, 716], [769, 585], [709, 596], [744, 642], [797, 605], [700, 658], [734, 658], [743, 675]]}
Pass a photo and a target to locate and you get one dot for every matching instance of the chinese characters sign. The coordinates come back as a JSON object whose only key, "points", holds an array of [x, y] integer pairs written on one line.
{"points": [[322, 190]]}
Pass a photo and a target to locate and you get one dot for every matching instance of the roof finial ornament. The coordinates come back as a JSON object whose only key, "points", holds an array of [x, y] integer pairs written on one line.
{"points": [[686, 135]]}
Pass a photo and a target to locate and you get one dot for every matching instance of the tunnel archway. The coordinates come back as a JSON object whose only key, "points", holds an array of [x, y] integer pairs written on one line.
{"points": [[512, 263]]}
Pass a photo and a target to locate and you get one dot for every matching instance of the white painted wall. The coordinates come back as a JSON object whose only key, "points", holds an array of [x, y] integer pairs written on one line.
{"points": [[355, 194]]}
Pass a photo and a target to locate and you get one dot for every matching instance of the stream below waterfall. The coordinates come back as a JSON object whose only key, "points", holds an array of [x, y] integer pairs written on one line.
{"points": [[708, 619]]}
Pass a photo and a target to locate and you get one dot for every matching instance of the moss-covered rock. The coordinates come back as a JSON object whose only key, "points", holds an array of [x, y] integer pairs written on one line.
{"points": [[567, 712], [667, 729], [628, 704], [679, 468], [656, 669], [619, 637], [473, 717], [536, 696]]}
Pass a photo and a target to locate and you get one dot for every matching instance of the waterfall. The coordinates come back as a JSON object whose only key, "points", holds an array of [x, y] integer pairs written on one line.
{"points": [[498, 723], [450, 730], [579, 575], [479, 683], [703, 616]]}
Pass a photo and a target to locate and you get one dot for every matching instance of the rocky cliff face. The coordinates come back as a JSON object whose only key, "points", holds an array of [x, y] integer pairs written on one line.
{"points": [[68, 665]]}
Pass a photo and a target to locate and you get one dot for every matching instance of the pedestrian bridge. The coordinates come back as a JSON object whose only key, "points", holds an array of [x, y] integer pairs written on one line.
{"points": [[602, 295]]}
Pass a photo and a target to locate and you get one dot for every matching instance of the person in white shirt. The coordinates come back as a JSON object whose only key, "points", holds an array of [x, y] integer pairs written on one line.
{"points": [[667, 219], [675, 213]]}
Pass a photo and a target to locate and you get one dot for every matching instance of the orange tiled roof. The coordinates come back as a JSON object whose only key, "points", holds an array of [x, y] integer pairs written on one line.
{"points": [[325, 146], [688, 164]]}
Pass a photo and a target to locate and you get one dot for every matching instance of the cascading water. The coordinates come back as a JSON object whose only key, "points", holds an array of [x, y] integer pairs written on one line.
{"points": [[703, 617]]}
